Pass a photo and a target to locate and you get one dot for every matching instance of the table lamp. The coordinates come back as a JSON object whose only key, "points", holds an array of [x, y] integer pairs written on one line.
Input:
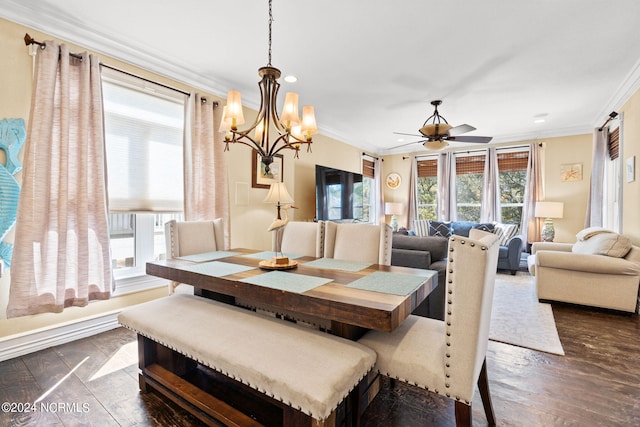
{"points": [[393, 209], [279, 195], [548, 210]]}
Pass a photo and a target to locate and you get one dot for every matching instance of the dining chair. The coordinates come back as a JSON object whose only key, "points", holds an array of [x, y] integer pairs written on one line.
{"points": [[449, 357], [300, 238], [358, 242], [184, 238]]}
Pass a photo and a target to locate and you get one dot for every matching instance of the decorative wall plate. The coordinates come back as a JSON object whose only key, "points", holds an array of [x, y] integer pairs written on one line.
{"points": [[393, 180]]}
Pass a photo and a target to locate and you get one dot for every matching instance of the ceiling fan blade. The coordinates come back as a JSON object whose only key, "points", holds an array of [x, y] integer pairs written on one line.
{"points": [[459, 130], [408, 134], [480, 139], [408, 143]]}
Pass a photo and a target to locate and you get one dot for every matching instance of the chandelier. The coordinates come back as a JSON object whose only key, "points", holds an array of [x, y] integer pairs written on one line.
{"points": [[271, 132]]}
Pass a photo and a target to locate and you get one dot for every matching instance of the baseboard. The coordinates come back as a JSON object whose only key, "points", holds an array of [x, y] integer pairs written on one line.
{"points": [[16, 346]]}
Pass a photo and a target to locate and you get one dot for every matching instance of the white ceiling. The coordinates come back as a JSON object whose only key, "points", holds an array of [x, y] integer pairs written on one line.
{"points": [[371, 67]]}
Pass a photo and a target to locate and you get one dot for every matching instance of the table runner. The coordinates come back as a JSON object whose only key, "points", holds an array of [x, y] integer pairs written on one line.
{"points": [[289, 282]]}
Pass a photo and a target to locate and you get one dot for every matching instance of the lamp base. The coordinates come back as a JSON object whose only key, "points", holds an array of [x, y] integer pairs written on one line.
{"points": [[548, 232], [394, 223], [278, 263]]}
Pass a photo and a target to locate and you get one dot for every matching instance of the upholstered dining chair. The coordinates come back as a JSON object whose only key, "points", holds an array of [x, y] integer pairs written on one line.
{"points": [[192, 237], [449, 357], [358, 242], [300, 238]]}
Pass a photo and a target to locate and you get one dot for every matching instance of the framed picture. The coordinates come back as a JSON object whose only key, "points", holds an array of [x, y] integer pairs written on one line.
{"points": [[259, 177], [631, 169], [393, 180], [571, 172]]}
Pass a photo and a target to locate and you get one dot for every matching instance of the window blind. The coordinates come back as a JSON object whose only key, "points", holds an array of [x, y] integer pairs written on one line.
{"points": [[427, 168], [513, 161], [613, 144], [144, 139], [368, 168], [470, 164]]}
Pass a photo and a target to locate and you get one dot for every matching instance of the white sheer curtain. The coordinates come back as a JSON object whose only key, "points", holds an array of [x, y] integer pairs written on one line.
{"points": [[412, 208], [377, 179], [206, 191], [447, 209], [595, 212], [61, 254], [531, 226], [490, 206]]}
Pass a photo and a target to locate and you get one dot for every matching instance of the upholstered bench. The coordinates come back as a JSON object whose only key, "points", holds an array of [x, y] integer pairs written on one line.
{"points": [[279, 363]]}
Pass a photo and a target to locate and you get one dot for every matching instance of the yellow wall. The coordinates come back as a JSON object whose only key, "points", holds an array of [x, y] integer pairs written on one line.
{"points": [[631, 147]]}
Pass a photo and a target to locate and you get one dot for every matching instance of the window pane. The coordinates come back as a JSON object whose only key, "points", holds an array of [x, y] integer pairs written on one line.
{"points": [[122, 234], [143, 135], [428, 198]]}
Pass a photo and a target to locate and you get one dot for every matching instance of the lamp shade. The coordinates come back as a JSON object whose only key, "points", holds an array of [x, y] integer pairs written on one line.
{"points": [[391, 208], [549, 209], [437, 144], [278, 194]]}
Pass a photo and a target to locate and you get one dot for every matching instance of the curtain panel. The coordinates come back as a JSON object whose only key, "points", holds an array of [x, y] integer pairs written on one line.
{"points": [[206, 191], [61, 253], [530, 226], [595, 211], [490, 207]]}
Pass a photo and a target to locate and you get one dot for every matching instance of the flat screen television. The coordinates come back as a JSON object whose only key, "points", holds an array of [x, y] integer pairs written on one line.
{"points": [[338, 194]]}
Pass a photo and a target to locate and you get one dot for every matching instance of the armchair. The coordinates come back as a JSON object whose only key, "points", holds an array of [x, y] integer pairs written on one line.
{"points": [[449, 357], [300, 238], [192, 237], [358, 242], [509, 255], [582, 273]]}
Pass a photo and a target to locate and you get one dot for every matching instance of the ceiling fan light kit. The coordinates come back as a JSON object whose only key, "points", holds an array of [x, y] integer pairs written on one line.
{"points": [[438, 132], [435, 145]]}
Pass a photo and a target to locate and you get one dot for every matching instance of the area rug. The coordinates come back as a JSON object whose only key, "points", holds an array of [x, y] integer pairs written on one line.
{"points": [[517, 318]]}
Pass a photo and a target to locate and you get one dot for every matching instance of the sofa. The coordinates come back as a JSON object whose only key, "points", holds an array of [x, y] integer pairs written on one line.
{"points": [[426, 247], [510, 241], [427, 252], [601, 269]]}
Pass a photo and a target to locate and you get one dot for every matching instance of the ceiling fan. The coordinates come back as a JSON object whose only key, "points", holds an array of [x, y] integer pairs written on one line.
{"points": [[437, 132]]}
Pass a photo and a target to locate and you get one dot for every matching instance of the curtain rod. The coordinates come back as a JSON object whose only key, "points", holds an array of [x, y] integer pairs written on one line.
{"points": [[370, 156], [612, 116], [29, 40]]}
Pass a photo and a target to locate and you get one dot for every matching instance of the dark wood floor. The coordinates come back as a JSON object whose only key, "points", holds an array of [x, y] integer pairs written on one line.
{"points": [[597, 383]]}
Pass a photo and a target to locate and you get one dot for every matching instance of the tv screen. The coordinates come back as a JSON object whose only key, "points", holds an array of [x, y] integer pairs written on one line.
{"points": [[338, 194]]}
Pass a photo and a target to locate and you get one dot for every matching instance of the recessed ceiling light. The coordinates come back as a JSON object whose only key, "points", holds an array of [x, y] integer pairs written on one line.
{"points": [[540, 118], [290, 79], [400, 140]]}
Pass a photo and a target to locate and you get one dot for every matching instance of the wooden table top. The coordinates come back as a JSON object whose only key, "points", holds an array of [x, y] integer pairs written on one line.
{"points": [[344, 306]]}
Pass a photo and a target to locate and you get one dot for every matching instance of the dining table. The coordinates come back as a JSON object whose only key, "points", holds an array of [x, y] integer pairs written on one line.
{"points": [[350, 296]]}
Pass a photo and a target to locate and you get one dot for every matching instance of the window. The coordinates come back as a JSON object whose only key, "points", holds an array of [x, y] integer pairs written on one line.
{"points": [[512, 174], [144, 136], [469, 183], [427, 189], [368, 191]]}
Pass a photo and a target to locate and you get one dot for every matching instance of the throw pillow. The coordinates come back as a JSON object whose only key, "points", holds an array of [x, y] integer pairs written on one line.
{"points": [[505, 232], [438, 228], [590, 232], [421, 227], [609, 244], [486, 226]]}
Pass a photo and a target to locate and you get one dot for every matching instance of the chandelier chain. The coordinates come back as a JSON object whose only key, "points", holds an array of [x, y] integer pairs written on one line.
{"points": [[270, 21]]}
